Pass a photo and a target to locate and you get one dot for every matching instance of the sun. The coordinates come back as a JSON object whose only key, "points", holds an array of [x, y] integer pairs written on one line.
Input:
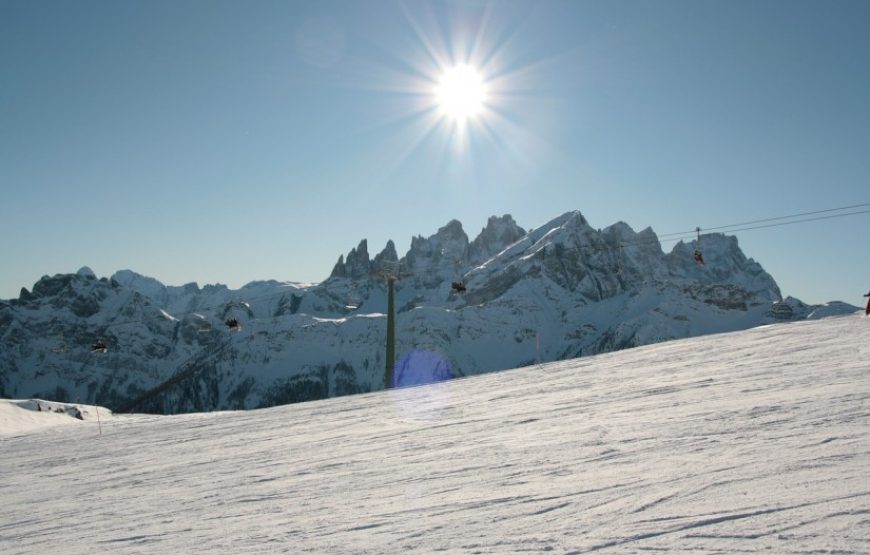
{"points": [[460, 93]]}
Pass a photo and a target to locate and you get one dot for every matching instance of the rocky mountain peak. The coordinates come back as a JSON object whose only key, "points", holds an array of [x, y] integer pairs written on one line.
{"points": [[452, 232], [53, 285], [357, 265], [448, 244], [86, 272], [499, 233], [385, 256], [724, 263]]}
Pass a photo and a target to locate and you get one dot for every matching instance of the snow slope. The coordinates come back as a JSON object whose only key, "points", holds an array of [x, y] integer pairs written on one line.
{"points": [[743, 442]]}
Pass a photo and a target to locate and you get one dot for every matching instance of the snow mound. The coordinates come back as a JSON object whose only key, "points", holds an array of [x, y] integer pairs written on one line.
{"points": [[23, 416]]}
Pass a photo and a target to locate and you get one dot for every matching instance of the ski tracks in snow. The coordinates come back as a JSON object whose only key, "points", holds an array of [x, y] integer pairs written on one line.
{"points": [[733, 443]]}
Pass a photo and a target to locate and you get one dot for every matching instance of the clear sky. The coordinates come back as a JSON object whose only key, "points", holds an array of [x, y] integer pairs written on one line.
{"points": [[231, 141]]}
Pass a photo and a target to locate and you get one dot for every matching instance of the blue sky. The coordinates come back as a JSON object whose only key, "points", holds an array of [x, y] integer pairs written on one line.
{"points": [[216, 141]]}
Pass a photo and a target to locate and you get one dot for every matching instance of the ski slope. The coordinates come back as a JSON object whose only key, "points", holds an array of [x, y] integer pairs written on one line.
{"points": [[744, 442]]}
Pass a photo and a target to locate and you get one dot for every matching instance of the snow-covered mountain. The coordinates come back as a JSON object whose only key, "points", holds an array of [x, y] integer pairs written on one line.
{"points": [[750, 442], [561, 291]]}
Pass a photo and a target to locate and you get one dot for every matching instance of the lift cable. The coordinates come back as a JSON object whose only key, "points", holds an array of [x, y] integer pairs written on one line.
{"points": [[764, 220]]}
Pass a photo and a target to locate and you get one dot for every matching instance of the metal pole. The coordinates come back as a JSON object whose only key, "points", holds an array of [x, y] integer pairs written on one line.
{"points": [[391, 333], [97, 409]]}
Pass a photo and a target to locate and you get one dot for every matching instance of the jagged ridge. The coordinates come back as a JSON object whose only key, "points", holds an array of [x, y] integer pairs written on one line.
{"points": [[562, 290]]}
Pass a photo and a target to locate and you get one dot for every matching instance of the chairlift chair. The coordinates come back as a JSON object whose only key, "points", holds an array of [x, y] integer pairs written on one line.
{"points": [[699, 258], [232, 323]]}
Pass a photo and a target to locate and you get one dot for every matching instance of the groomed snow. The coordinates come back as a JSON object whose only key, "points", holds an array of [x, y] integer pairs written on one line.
{"points": [[736, 443]]}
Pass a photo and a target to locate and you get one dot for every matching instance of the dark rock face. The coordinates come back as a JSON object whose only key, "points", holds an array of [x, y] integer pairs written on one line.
{"points": [[498, 234], [449, 245], [339, 270], [781, 311], [358, 265], [386, 258], [50, 286]]}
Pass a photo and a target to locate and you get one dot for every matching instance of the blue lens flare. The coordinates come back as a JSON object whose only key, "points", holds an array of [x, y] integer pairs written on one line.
{"points": [[420, 367], [421, 404]]}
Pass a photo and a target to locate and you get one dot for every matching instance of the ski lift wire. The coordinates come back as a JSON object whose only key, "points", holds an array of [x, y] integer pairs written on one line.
{"points": [[831, 216], [764, 220]]}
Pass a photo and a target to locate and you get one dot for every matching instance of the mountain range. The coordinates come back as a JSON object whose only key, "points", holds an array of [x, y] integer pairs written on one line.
{"points": [[563, 290]]}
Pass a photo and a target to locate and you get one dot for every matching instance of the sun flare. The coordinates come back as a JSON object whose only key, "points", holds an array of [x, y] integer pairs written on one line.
{"points": [[461, 92]]}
